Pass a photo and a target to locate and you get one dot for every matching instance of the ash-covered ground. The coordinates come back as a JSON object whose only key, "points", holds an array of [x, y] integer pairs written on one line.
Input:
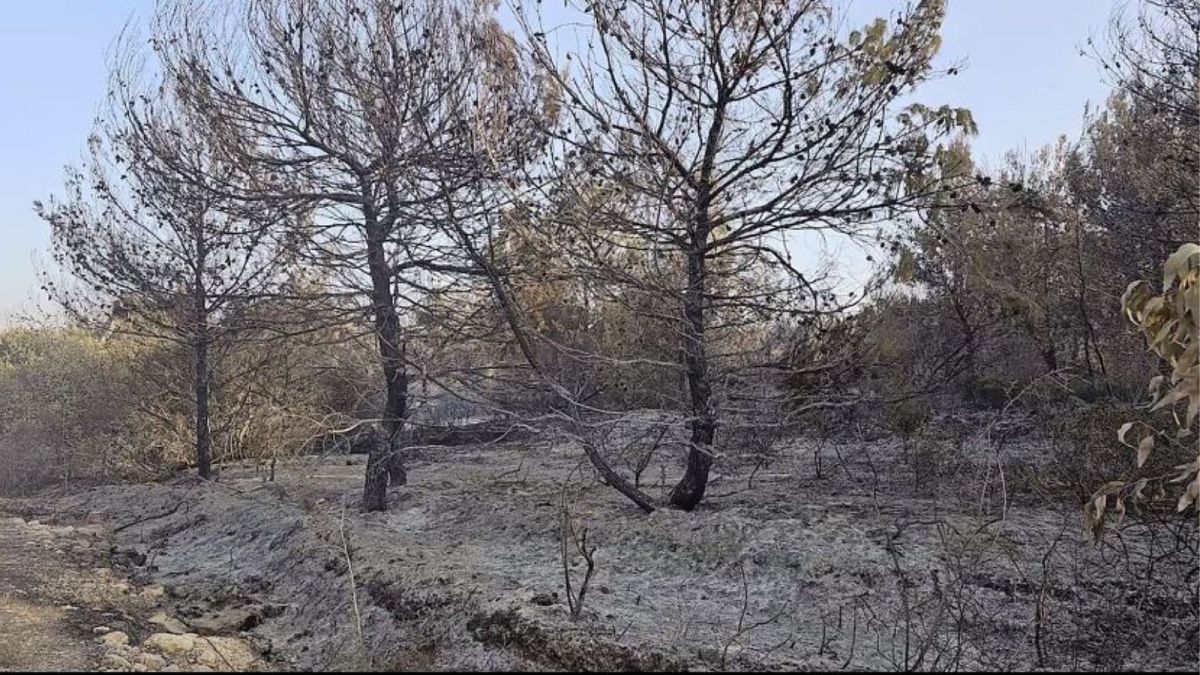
{"points": [[832, 555]]}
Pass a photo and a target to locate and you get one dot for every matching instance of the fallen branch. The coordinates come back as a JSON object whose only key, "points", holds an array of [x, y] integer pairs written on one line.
{"points": [[147, 519], [353, 586], [616, 480]]}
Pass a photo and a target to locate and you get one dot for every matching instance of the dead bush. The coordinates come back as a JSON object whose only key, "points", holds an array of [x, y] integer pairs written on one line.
{"points": [[64, 404], [1085, 454], [907, 419]]}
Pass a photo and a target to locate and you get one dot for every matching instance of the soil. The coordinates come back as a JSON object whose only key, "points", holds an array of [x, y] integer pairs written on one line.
{"points": [[38, 629], [63, 608]]}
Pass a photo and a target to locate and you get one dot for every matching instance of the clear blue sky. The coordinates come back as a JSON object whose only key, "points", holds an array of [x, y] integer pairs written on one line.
{"points": [[1024, 81]]}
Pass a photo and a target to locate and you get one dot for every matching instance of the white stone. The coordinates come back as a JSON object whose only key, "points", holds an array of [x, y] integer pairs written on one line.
{"points": [[169, 623], [151, 661], [169, 643], [114, 639], [118, 662]]}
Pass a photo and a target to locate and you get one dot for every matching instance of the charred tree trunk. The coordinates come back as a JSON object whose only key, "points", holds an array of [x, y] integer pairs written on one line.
{"points": [[384, 466], [203, 436], [690, 490], [200, 377], [688, 493]]}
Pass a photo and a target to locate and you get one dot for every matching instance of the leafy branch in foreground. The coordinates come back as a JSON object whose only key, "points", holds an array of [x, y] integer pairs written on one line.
{"points": [[1170, 323]]}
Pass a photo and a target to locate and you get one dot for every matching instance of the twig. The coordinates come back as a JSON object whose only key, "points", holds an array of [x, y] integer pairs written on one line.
{"points": [[741, 617], [853, 635], [164, 514], [575, 602], [743, 629], [218, 651], [353, 586]]}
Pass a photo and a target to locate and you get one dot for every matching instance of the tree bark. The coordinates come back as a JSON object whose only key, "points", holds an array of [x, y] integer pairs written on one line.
{"points": [[690, 490], [688, 493], [200, 364], [203, 436], [384, 466]]}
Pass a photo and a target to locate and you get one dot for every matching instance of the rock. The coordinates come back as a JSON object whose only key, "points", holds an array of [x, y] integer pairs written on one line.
{"points": [[544, 599], [130, 556], [96, 517], [227, 621], [101, 630], [170, 624], [140, 667], [224, 653], [114, 639], [169, 643], [117, 662], [153, 591], [151, 661], [208, 656]]}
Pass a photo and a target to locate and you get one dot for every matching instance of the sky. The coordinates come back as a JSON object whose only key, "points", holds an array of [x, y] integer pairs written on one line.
{"points": [[1024, 81]]}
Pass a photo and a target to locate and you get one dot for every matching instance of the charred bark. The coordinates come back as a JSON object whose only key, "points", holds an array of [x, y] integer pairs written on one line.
{"points": [[384, 466], [203, 435], [688, 493], [200, 378]]}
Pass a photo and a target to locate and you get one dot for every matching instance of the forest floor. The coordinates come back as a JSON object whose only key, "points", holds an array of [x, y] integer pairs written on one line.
{"points": [[831, 556]]}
